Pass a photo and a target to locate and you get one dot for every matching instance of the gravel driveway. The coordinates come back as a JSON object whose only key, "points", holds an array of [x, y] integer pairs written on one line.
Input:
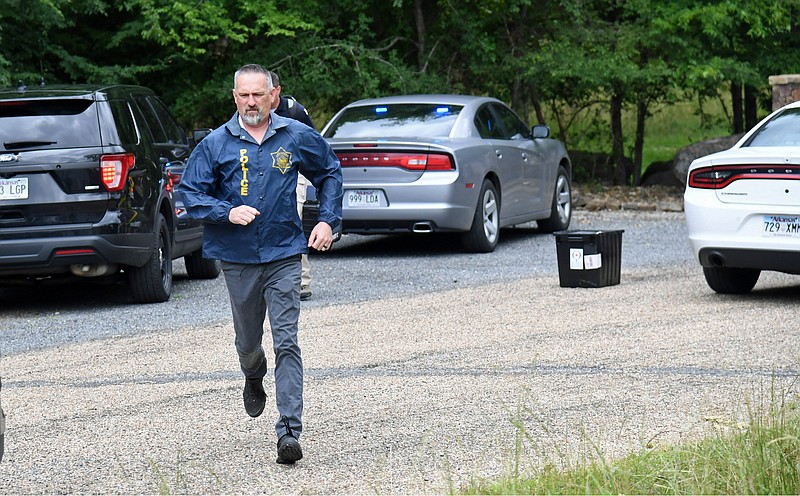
{"points": [[416, 392]]}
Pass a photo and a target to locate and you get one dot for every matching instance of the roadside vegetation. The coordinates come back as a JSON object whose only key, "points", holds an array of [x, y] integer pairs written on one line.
{"points": [[671, 127], [600, 73], [761, 456]]}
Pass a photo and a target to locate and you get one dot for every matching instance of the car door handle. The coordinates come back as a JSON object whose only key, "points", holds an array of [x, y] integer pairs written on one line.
{"points": [[499, 153], [525, 157]]}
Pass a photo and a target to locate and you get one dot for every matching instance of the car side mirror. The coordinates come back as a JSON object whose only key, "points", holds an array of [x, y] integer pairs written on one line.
{"points": [[173, 151], [199, 134], [540, 131]]}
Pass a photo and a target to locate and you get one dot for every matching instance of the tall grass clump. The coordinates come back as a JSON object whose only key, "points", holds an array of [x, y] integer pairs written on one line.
{"points": [[760, 457]]}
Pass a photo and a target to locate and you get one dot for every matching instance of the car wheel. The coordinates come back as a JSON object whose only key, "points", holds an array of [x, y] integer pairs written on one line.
{"points": [[198, 267], [152, 283], [561, 210], [730, 280], [485, 231]]}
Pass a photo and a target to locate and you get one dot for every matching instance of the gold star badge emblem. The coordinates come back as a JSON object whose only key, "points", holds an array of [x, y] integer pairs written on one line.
{"points": [[282, 160]]}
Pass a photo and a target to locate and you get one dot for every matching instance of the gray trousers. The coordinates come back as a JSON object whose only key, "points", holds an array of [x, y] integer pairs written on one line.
{"points": [[273, 289]]}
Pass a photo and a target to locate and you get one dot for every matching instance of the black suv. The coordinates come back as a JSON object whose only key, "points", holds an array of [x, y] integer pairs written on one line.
{"points": [[87, 177]]}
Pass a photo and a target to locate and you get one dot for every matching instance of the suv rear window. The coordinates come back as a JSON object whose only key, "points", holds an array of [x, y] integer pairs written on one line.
{"points": [[56, 123], [398, 120]]}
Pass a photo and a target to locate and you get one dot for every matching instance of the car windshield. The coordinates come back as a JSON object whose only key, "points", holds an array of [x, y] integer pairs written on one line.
{"points": [[781, 130], [395, 121], [35, 124]]}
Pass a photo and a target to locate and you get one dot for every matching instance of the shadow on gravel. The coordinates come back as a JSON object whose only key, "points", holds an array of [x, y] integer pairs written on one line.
{"points": [[788, 294], [420, 245], [773, 288], [70, 294]]}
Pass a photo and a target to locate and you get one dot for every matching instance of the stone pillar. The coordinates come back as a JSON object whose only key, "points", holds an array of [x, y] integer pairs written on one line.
{"points": [[785, 89]]}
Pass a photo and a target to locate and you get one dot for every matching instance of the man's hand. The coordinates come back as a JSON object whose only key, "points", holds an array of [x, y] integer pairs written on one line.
{"points": [[242, 215], [321, 237]]}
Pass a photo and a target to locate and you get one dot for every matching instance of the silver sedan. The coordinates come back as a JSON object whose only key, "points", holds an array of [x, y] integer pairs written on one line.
{"points": [[448, 163]]}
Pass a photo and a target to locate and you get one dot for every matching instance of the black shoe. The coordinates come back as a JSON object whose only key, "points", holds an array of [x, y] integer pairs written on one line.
{"points": [[288, 446], [305, 293], [254, 396], [289, 450]]}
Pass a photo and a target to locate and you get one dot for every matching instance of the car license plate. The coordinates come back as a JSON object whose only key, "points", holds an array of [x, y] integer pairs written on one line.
{"points": [[14, 188], [357, 198], [781, 226]]}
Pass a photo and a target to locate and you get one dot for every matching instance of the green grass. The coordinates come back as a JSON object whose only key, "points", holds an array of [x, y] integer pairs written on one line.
{"points": [[761, 457], [670, 127], [673, 126]]}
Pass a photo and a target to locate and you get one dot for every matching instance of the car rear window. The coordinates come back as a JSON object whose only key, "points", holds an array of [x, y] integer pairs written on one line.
{"points": [[395, 121], [54, 123], [781, 130]]}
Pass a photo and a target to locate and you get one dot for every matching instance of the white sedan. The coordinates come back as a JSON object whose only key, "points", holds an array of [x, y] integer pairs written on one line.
{"points": [[742, 205]]}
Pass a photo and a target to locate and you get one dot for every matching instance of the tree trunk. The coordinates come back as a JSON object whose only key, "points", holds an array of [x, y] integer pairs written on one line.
{"points": [[750, 107], [420, 20], [638, 146], [517, 103], [617, 145], [537, 106], [736, 103]]}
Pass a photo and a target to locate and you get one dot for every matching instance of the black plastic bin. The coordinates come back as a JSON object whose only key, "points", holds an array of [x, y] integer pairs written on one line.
{"points": [[588, 259]]}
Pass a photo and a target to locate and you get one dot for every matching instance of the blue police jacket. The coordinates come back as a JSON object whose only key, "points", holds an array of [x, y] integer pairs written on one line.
{"points": [[229, 168]]}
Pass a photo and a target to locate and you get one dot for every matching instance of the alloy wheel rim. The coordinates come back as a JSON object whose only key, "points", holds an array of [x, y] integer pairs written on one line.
{"points": [[563, 199], [491, 219]]}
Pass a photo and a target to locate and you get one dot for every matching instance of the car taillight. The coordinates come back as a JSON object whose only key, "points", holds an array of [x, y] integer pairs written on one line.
{"points": [[403, 160], [114, 170], [718, 177], [174, 180]]}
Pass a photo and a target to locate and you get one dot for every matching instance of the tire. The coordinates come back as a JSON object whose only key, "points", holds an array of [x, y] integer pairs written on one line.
{"points": [[484, 233], [561, 209], [198, 267], [728, 280], [152, 283]]}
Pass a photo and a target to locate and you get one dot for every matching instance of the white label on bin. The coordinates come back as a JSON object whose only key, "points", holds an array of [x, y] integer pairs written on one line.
{"points": [[593, 261], [576, 258]]}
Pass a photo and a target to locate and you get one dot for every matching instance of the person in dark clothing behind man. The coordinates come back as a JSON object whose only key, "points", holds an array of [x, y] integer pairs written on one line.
{"points": [[241, 180], [289, 107]]}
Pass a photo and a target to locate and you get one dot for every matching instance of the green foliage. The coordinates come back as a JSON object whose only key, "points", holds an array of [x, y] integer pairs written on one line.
{"points": [[541, 57], [759, 457], [195, 27]]}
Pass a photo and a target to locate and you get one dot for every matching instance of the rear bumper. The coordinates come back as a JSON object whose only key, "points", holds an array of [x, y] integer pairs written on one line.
{"points": [[405, 218], [439, 200], [54, 255], [781, 261], [732, 235]]}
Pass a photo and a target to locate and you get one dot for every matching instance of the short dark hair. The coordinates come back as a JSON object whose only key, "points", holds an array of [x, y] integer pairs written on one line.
{"points": [[275, 79]]}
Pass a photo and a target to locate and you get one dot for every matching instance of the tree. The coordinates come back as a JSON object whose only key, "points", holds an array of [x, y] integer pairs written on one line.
{"points": [[738, 42], [614, 56], [549, 59]]}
